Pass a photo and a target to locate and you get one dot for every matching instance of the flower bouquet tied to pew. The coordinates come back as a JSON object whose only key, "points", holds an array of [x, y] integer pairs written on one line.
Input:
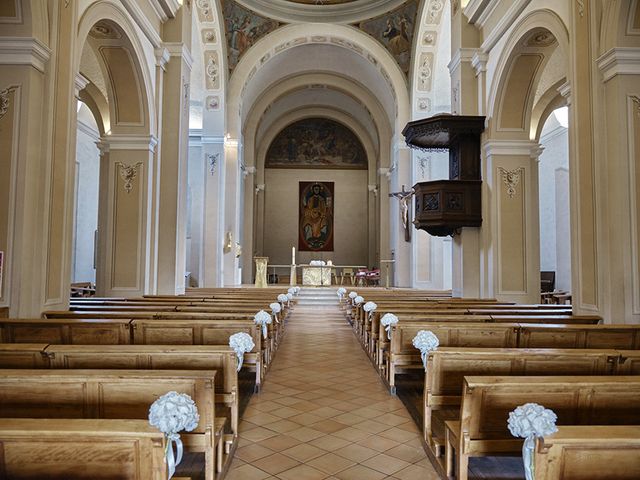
{"points": [[172, 413], [241, 343]]}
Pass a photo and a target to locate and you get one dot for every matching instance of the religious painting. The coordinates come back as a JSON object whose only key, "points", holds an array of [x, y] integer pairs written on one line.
{"points": [[243, 28], [315, 228], [315, 143], [395, 31]]}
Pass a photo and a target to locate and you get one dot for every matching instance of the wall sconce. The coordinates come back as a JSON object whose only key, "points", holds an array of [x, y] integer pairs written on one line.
{"points": [[228, 242]]}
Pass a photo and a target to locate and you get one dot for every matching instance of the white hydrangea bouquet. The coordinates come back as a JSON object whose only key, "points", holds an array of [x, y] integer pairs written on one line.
{"points": [[341, 293], [172, 413], [263, 319], [370, 307], [275, 309], [241, 343], [389, 320], [531, 421], [426, 342]]}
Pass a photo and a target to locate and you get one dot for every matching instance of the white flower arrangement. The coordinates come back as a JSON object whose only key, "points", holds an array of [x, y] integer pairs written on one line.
{"points": [[289, 296], [262, 318], [172, 413], [292, 291], [358, 300], [426, 342], [241, 343], [282, 298], [341, 292], [352, 295], [317, 263], [297, 289], [276, 308], [389, 320], [531, 421], [370, 307]]}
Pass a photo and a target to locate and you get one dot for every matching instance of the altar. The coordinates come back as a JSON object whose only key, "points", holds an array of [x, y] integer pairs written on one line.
{"points": [[316, 275]]}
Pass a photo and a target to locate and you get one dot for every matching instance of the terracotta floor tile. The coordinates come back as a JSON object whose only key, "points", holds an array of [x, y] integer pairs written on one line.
{"points": [[386, 464], [360, 472], [252, 452], [303, 452], [276, 463], [247, 472], [331, 463], [356, 452], [280, 442], [414, 472], [303, 472], [378, 443], [330, 443]]}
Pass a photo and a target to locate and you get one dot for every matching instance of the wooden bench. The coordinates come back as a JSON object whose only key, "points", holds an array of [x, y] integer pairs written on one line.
{"points": [[114, 394], [447, 367], [593, 452], [78, 449], [403, 357], [23, 355], [98, 331], [487, 401]]}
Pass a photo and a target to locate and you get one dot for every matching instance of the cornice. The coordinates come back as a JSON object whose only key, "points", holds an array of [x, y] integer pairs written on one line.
{"points": [[512, 147], [475, 9], [461, 55], [127, 142], [24, 51], [179, 49], [498, 32], [619, 61]]}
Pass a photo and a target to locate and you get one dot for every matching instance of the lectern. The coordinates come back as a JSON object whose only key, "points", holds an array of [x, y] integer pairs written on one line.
{"points": [[261, 271]]}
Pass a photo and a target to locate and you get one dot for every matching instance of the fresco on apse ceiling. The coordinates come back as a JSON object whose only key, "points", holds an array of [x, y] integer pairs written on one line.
{"points": [[316, 143], [395, 31], [243, 28]]}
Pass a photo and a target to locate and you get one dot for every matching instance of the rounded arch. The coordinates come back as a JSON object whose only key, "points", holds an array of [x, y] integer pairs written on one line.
{"points": [[549, 101], [112, 12], [617, 22], [520, 67], [293, 36]]}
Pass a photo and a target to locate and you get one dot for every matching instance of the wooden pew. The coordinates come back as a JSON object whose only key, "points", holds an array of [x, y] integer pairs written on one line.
{"points": [[487, 401], [23, 355], [114, 394], [593, 452], [98, 331], [78, 449], [402, 356], [447, 367]]}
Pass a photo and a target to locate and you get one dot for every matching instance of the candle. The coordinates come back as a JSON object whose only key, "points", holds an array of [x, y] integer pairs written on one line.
{"points": [[293, 255]]}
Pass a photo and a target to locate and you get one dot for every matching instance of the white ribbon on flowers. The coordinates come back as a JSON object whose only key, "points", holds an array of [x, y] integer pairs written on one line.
{"points": [[389, 320], [370, 307], [426, 342], [262, 318], [341, 292], [241, 343], [531, 421], [172, 413]]}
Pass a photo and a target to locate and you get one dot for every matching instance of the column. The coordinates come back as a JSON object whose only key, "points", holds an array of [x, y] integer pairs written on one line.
{"points": [[123, 228], [233, 210], [172, 162]]}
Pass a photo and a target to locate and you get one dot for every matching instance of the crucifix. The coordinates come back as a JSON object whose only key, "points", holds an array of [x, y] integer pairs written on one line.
{"points": [[404, 196]]}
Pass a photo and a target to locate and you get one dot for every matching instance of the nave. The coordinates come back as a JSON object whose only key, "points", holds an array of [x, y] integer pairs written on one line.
{"points": [[323, 412]]}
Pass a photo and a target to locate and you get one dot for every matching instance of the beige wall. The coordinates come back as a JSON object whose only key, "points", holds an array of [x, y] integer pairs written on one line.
{"points": [[350, 210]]}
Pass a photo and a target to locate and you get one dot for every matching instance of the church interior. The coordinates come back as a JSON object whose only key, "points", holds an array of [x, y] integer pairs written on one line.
{"points": [[320, 239]]}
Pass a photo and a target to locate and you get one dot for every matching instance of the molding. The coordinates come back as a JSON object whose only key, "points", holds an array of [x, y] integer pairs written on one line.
{"points": [[479, 62], [179, 49], [633, 116], [527, 148], [476, 9], [619, 61], [505, 23], [166, 9], [24, 51], [162, 57], [142, 21], [511, 178], [565, 90], [127, 142], [80, 83], [461, 55], [128, 173]]}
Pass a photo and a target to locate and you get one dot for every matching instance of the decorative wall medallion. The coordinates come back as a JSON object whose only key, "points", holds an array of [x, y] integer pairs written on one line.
{"points": [[429, 38], [425, 72], [4, 102], [212, 102], [511, 179], [540, 38], [104, 30], [212, 70], [424, 104], [434, 12], [431, 202], [209, 35], [128, 173], [212, 159], [204, 10]]}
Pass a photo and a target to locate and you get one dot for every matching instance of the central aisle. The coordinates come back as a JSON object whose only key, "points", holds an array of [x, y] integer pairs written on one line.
{"points": [[323, 412]]}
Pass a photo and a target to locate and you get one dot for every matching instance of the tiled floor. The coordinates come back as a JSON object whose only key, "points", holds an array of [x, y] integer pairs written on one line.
{"points": [[323, 412]]}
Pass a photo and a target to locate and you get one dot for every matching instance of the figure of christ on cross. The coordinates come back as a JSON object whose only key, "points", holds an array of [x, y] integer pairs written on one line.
{"points": [[404, 196]]}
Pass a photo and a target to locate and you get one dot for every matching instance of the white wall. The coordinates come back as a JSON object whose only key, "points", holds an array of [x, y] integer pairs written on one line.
{"points": [[555, 239], [87, 186], [350, 215]]}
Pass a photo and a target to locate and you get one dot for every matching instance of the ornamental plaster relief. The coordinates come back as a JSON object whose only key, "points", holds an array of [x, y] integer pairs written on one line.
{"points": [[212, 70], [511, 178], [425, 72]]}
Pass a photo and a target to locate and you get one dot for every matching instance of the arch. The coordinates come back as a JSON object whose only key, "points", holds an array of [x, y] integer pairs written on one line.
{"points": [[107, 10], [349, 36], [549, 101], [529, 69]]}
